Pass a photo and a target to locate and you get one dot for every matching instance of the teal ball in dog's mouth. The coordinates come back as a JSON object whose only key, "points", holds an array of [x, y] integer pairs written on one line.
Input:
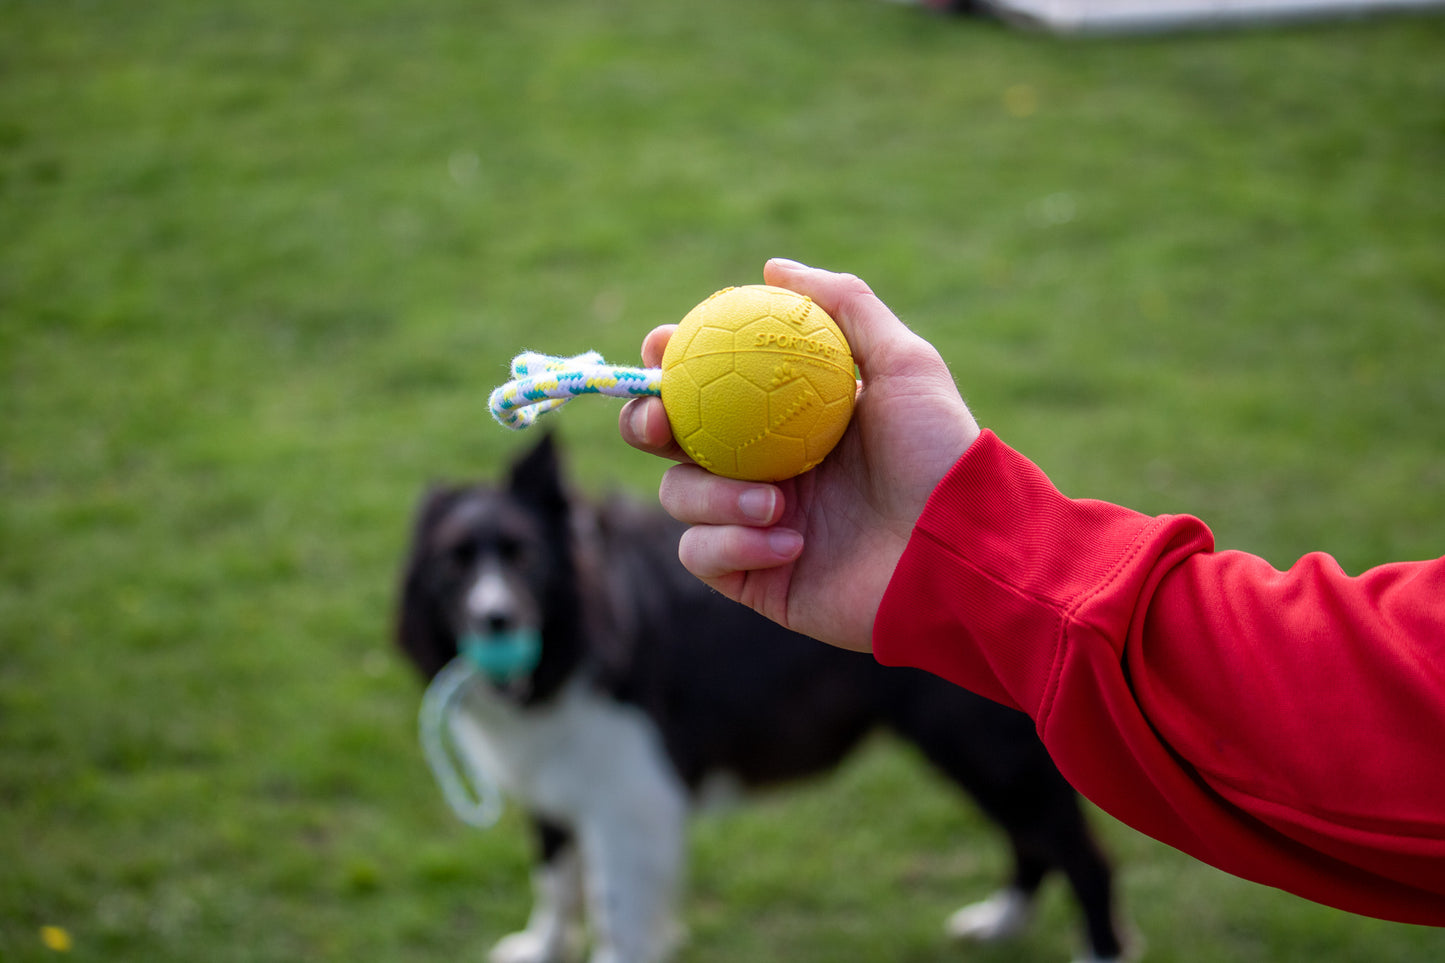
{"points": [[503, 656]]}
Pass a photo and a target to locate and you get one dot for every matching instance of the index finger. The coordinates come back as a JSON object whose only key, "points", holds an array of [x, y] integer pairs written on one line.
{"points": [[643, 422]]}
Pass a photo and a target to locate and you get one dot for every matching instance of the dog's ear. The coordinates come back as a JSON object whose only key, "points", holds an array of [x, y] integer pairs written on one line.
{"points": [[433, 505], [536, 477], [420, 632]]}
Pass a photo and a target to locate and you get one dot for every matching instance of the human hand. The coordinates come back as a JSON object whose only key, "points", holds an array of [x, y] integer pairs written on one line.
{"points": [[815, 553]]}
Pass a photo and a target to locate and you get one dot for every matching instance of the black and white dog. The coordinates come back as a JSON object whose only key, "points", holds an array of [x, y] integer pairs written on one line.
{"points": [[649, 689]]}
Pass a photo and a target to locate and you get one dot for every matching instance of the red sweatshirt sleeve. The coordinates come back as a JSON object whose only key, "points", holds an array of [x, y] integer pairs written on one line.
{"points": [[1287, 727]]}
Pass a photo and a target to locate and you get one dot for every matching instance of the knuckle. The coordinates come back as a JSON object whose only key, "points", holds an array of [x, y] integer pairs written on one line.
{"points": [[678, 492], [694, 553]]}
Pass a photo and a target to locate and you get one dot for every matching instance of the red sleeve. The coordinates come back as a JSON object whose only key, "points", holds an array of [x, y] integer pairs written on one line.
{"points": [[1288, 727]]}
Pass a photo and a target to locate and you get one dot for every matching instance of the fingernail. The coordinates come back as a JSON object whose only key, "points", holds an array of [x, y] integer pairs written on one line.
{"points": [[790, 264], [784, 542], [637, 422], [758, 503]]}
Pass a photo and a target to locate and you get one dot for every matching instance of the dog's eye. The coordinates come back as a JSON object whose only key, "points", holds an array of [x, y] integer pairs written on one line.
{"points": [[462, 554], [510, 550]]}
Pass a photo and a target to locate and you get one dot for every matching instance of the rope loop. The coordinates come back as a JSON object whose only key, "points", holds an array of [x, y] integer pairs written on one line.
{"points": [[469, 787], [541, 383]]}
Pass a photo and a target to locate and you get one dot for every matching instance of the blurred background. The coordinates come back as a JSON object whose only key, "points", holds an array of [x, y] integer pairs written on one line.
{"points": [[262, 261]]}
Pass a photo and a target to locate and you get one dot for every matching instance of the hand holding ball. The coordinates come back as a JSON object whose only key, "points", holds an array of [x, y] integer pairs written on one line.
{"points": [[757, 381]]}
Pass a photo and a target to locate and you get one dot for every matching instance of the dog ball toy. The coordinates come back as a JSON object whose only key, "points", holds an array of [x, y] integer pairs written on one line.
{"points": [[758, 383]]}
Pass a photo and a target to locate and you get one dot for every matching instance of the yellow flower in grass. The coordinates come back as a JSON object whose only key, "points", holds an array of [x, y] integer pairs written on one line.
{"points": [[56, 938]]}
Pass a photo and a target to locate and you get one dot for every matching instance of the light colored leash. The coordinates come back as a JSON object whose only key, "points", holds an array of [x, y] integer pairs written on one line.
{"points": [[470, 790]]}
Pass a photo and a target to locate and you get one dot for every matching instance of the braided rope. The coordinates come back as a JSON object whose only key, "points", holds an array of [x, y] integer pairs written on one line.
{"points": [[541, 383]]}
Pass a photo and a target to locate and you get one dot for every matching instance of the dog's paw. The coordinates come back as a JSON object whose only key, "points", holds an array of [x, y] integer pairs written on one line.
{"points": [[1004, 914], [528, 947]]}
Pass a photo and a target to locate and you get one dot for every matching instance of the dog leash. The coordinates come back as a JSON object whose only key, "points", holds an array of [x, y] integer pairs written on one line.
{"points": [[544, 382], [470, 790]]}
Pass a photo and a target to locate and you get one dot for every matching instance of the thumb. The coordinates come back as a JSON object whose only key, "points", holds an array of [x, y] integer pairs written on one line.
{"points": [[868, 324]]}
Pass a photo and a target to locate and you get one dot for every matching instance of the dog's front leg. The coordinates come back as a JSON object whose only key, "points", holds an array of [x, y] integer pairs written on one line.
{"points": [[554, 931], [633, 855]]}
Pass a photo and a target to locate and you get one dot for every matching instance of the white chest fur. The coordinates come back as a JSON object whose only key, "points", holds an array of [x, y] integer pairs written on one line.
{"points": [[569, 759], [599, 769]]}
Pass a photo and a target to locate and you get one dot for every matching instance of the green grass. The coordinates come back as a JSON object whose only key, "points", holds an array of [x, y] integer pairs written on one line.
{"points": [[260, 263]]}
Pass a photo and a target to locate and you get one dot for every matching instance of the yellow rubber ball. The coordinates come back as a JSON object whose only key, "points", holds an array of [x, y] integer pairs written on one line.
{"points": [[758, 383]]}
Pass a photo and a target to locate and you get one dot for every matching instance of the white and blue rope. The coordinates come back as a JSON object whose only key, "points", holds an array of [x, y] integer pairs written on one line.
{"points": [[541, 383]]}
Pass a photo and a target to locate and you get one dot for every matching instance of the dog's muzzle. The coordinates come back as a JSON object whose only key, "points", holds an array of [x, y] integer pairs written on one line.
{"points": [[503, 656]]}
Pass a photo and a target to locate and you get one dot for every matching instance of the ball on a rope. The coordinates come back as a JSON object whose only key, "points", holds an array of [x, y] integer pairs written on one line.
{"points": [[758, 383]]}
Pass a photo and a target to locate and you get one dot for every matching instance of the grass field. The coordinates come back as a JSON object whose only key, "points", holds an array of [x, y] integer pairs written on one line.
{"points": [[261, 261]]}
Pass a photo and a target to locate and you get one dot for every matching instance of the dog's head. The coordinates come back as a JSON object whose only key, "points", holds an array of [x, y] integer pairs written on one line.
{"points": [[491, 569]]}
